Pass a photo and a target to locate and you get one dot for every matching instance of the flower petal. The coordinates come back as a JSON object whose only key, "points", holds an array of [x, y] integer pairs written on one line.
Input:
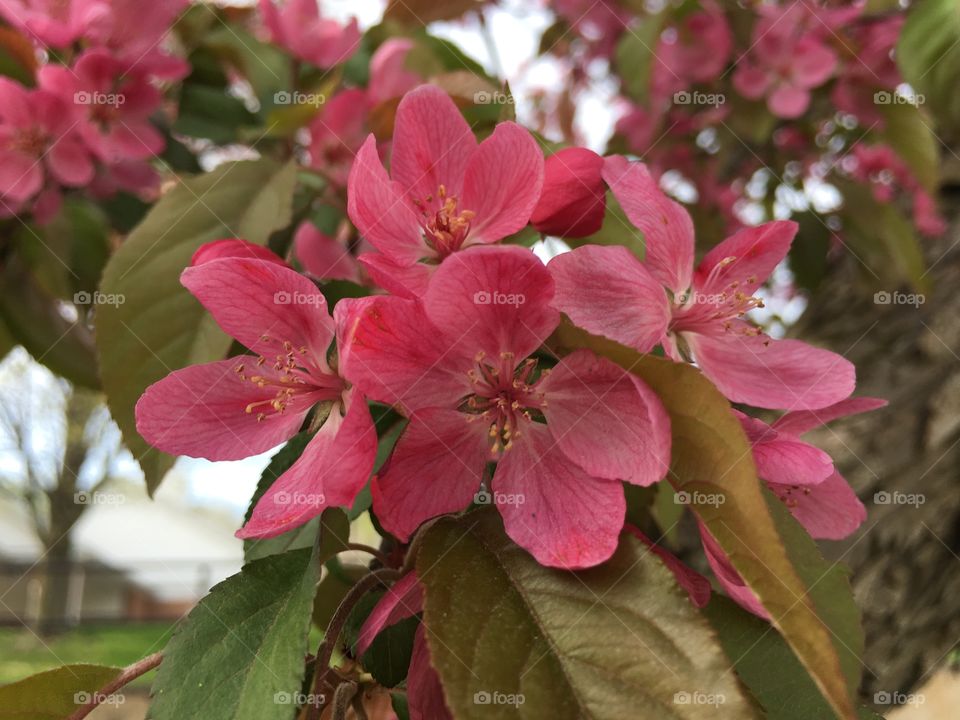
{"points": [[333, 468], [200, 411], [393, 353], [409, 281], [666, 226], [21, 176], [432, 144], [801, 421], [502, 183], [436, 468], [252, 300], [784, 458], [607, 291], [381, 211], [728, 577], [789, 101], [829, 511], [493, 299], [747, 258], [322, 256], [233, 247], [424, 692], [552, 508], [402, 600], [776, 374], [607, 420], [574, 197]]}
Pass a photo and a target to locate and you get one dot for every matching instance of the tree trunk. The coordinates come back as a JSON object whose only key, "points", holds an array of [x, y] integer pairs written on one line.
{"points": [[906, 569]]}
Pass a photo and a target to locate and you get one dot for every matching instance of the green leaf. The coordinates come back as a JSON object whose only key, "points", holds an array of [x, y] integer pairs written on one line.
{"points": [[764, 662], [883, 239], [636, 54], [207, 111], [55, 694], [928, 53], [240, 653], [711, 456], [908, 132], [332, 526], [388, 657], [160, 327], [620, 640]]}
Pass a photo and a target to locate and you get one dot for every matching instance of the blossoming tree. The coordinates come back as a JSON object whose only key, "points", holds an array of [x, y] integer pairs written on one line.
{"points": [[263, 227]]}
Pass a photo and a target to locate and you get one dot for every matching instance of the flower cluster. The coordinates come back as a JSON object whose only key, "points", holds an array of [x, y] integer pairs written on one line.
{"points": [[84, 121], [455, 339]]}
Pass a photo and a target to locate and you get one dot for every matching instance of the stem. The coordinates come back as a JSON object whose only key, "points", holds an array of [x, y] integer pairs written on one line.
{"points": [[129, 673], [344, 693], [371, 550], [335, 627]]}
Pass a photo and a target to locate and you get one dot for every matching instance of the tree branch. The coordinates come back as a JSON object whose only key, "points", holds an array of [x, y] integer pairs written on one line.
{"points": [[129, 673]]}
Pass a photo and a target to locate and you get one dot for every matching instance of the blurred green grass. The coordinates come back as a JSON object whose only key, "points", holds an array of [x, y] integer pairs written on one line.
{"points": [[22, 653]]}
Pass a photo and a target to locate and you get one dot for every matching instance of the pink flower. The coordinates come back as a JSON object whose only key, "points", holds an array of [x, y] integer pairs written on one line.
{"points": [[696, 51], [245, 405], [424, 691], [444, 193], [389, 76], [574, 196], [927, 218], [608, 292], [458, 364], [696, 585], [324, 257], [38, 138], [803, 477], [297, 26], [786, 60], [54, 22], [337, 133], [111, 104]]}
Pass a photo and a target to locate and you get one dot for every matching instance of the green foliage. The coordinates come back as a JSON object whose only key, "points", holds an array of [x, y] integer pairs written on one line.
{"points": [[388, 656], [928, 54], [240, 652], [160, 327], [616, 641], [54, 694], [636, 54], [711, 459]]}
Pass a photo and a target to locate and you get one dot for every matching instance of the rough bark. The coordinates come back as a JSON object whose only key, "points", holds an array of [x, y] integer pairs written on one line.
{"points": [[906, 557]]}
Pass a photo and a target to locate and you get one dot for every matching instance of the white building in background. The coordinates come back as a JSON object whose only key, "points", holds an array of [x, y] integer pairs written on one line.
{"points": [[134, 558]]}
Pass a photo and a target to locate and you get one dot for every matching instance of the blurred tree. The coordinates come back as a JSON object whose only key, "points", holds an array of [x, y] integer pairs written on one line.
{"points": [[58, 447]]}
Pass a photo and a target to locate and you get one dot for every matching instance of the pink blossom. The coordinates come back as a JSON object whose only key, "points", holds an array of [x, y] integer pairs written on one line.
{"points": [[869, 68], [324, 257], [696, 585], [457, 362], [608, 292], [788, 58], [245, 405], [54, 22], [337, 133], [40, 146], [444, 193], [298, 26], [573, 199], [695, 51], [389, 76], [424, 692], [111, 104]]}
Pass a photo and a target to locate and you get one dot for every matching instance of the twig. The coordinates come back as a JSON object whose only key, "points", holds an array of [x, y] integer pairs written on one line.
{"points": [[335, 627], [129, 673], [344, 693]]}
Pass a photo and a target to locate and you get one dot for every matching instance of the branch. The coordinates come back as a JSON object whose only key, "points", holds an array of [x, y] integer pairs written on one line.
{"points": [[129, 673]]}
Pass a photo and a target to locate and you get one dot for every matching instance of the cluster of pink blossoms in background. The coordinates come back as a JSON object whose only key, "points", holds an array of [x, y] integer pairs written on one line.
{"points": [[86, 123]]}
